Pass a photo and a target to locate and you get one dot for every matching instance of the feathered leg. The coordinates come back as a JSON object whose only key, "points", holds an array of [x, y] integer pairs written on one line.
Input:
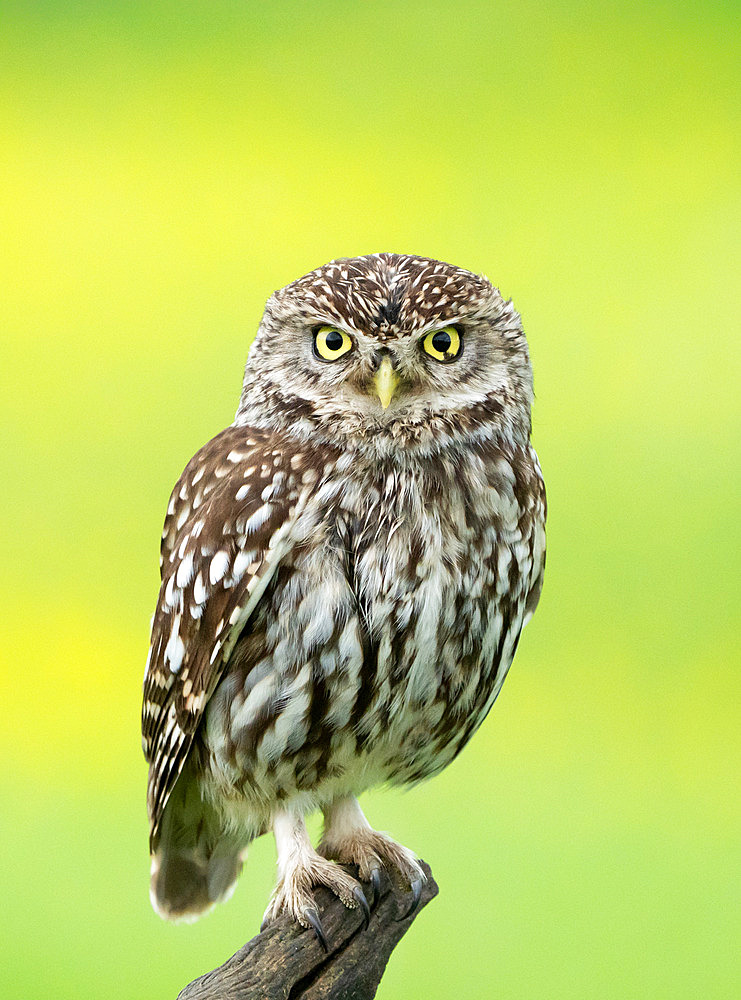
{"points": [[300, 869], [348, 837]]}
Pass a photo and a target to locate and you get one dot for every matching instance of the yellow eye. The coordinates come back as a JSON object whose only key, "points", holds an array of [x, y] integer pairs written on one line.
{"points": [[443, 345], [330, 344]]}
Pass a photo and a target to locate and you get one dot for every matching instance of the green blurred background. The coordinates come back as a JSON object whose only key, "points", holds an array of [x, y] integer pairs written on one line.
{"points": [[163, 168]]}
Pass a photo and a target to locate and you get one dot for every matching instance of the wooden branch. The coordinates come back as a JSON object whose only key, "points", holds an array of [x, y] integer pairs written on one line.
{"points": [[286, 962]]}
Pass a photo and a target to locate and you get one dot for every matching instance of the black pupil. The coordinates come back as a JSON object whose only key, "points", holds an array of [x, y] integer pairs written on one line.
{"points": [[441, 341], [333, 340]]}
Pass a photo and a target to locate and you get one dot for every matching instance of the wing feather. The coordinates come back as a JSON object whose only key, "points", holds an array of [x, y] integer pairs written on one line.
{"points": [[229, 525], [539, 510]]}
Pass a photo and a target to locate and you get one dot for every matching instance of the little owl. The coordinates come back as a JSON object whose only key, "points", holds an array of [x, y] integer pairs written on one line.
{"points": [[346, 570]]}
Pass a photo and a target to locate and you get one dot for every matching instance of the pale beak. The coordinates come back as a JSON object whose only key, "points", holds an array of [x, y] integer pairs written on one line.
{"points": [[386, 381]]}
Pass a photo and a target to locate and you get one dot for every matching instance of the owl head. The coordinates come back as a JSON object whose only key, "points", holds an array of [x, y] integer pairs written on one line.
{"points": [[390, 350]]}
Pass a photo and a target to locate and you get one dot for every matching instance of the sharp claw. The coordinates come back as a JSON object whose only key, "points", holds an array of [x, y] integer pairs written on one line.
{"points": [[376, 883], [312, 918], [359, 897], [416, 894], [264, 925]]}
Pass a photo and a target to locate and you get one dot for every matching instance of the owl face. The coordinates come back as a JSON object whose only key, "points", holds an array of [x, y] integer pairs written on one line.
{"points": [[392, 346]]}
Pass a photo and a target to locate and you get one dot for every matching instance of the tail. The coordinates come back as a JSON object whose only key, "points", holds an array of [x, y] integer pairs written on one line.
{"points": [[196, 860]]}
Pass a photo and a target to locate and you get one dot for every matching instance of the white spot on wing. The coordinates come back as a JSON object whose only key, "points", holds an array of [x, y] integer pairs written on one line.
{"points": [[199, 590], [259, 518], [185, 571], [170, 592], [242, 562], [194, 703], [175, 649], [219, 566]]}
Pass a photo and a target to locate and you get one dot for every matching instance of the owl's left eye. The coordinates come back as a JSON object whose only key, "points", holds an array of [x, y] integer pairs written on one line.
{"points": [[330, 343], [443, 345]]}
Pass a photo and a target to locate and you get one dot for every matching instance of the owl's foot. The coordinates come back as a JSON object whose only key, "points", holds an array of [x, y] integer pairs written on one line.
{"points": [[349, 838], [301, 869]]}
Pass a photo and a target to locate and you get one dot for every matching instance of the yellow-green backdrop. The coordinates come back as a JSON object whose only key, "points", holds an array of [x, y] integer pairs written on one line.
{"points": [[163, 167]]}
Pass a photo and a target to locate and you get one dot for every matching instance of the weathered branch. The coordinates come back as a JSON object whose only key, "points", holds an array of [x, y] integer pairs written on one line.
{"points": [[286, 962]]}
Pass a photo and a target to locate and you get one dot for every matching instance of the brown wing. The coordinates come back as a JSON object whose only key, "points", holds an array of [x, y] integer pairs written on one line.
{"points": [[228, 526], [537, 510]]}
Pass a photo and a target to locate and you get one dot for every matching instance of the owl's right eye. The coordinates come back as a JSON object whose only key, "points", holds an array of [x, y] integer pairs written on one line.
{"points": [[331, 343]]}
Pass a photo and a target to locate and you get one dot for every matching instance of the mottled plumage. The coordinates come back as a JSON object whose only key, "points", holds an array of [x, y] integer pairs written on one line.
{"points": [[344, 580]]}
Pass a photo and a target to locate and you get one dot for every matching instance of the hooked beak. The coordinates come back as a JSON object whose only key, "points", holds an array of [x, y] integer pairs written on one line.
{"points": [[386, 381]]}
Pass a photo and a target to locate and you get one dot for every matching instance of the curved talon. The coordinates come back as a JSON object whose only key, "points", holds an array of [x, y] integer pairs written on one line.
{"points": [[359, 897], [416, 894], [312, 918], [376, 883]]}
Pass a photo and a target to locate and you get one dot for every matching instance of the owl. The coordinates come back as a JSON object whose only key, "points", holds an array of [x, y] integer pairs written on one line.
{"points": [[346, 571]]}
